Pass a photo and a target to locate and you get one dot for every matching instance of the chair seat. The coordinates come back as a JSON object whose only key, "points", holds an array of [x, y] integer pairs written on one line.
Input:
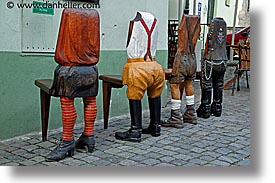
{"points": [[44, 84]]}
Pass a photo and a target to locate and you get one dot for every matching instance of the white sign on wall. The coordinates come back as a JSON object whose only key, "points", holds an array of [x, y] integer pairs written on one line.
{"points": [[40, 28]]}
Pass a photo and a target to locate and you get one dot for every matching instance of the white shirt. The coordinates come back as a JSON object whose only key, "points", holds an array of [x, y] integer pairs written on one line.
{"points": [[138, 43]]}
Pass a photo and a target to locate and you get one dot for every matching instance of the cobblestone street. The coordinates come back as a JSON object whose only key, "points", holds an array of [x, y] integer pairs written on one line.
{"points": [[223, 141]]}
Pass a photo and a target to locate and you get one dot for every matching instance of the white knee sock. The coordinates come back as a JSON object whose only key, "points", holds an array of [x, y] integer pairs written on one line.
{"points": [[175, 104], [190, 100]]}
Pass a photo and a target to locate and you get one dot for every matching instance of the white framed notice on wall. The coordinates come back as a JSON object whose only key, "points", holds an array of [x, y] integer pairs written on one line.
{"points": [[40, 24]]}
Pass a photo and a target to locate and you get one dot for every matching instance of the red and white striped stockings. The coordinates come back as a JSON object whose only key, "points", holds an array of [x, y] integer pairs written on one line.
{"points": [[69, 116]]}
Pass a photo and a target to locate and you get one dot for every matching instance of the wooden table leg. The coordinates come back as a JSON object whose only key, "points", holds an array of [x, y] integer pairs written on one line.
{"points": [[45, 100], [107, 89]]}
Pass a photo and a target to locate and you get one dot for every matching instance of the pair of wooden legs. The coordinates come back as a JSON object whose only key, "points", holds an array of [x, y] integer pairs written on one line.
{"points": [[177, 89]]}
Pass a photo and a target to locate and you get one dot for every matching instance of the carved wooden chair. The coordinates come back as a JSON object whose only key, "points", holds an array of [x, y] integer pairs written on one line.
{"points": [[235, 65], [77, 50], [241, 67], [244, 62]]}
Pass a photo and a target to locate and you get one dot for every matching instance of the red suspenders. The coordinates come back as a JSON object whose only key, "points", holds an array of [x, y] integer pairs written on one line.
{"points": [[149, 33]]}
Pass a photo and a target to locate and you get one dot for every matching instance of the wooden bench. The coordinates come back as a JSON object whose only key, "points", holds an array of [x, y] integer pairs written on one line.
{"points": [[45, 102], [109, 82]]}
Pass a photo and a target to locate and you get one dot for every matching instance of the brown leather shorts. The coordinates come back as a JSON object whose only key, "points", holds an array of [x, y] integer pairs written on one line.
{"points": [[184, 67], [140, 76]]}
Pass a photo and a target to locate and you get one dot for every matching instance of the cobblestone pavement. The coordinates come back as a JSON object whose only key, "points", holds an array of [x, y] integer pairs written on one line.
{"points": [[223, 141]]}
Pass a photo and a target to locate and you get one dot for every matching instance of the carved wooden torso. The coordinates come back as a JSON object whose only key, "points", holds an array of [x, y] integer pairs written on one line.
{"points": [[79, 38], [188, 33], [142, 36], [216, 40]]}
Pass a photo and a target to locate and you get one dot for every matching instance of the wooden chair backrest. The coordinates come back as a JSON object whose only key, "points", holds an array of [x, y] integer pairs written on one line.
{"points": [[244, 55]]}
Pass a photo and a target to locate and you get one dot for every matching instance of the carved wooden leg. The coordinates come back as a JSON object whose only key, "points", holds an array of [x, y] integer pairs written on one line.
{"points": [[45, 100], [107, 89], [176, 91]]}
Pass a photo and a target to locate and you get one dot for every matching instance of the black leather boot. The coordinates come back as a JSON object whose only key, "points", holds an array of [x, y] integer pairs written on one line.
{"points": [[175, 119], [216, 106], [85, 143], [204, 110], [134, 133], [190, 115], [155, 109], [63, 149], [216, 109]]}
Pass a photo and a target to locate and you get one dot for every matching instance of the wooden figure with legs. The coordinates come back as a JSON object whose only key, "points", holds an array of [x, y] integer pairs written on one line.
{"points": [[213, 70], [183, 73], [142, 73], [77, 53]]}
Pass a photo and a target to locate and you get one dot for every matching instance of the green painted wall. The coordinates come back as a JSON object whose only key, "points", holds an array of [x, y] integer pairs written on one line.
{"points": [[19, 97]]}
